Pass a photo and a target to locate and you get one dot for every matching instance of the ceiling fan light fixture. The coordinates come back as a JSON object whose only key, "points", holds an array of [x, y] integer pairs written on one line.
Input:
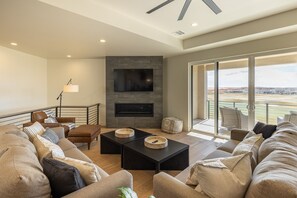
{"points": [[159, 6], [212, 6]]}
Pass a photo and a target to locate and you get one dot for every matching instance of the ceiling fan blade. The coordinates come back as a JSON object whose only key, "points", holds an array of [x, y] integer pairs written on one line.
{"points": [[212, 6], [184, 10], [159, 6]]}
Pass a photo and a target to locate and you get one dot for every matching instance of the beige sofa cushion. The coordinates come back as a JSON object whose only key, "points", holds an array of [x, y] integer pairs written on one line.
{"points": [[21, 174], [8, 128], [275, 177], [65, 144], [45, 148], [88, 171], [77, 154], [12, 140], [250, 144], [285, 139], [222, 177], [229, 146]]}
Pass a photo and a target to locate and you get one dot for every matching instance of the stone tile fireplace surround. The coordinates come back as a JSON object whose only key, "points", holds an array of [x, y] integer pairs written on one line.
{"points": [[134, 109]]}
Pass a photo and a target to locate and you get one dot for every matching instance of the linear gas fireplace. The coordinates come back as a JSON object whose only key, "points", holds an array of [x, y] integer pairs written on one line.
{"points": [[134, 110]]}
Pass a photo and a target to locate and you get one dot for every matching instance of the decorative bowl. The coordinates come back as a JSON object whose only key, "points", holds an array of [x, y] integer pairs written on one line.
{"points": [[155, 142], [124, 133]]}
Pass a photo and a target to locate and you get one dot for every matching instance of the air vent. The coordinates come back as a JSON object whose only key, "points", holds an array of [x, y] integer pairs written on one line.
{"points": [[179, 33]]}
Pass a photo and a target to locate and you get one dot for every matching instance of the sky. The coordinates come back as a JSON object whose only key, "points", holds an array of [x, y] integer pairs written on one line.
{"points": [[284, 75]]}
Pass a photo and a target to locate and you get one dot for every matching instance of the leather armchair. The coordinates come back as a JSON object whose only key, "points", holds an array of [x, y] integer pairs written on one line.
{"points": [[40, 116]]}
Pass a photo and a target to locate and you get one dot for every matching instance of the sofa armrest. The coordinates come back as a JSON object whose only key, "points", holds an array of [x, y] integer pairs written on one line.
{"points": [[238, 134], [65, 119], [167, 186], [106, 188], [59, 131]]}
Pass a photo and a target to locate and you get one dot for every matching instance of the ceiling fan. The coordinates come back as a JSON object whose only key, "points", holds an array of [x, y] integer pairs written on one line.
{"points": [[209, 3]]}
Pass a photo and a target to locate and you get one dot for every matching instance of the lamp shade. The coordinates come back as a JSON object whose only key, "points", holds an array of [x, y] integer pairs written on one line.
{"points": [[71, 88]]}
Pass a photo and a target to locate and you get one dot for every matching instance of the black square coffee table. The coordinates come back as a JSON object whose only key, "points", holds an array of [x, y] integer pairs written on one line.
{"points": [[136, 156], [110, 144]]}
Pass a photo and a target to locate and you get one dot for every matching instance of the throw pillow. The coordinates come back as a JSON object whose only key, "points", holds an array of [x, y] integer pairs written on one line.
{"points": [[45, 148], [33, 130], [50, 120], [50, 135], [87, 170], [63, 178], [222, 177], [251, 144], [266, 129], [249, 134]]}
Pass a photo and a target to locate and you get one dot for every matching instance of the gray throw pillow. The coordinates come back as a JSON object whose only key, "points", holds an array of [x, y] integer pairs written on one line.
{"points": [[50, 135], [64, 179]]}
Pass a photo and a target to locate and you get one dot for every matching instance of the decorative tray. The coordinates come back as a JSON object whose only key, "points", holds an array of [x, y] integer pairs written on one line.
{"points": [[124, 133], [155, 142]]}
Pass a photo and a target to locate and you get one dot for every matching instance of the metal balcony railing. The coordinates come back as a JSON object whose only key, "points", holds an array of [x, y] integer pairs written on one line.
{"points": [[83, 114], [266, 112]]}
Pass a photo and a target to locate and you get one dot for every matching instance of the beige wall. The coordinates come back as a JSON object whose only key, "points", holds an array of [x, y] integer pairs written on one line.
{"points": [[89, 74], [23, 81], [176, 84]]}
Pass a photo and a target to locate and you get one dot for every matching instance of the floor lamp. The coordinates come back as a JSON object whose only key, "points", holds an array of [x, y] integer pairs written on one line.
{"points": [[68, 88]]}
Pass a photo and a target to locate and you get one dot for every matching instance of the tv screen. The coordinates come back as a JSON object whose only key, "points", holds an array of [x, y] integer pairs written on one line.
{"points": [[133, 80]]}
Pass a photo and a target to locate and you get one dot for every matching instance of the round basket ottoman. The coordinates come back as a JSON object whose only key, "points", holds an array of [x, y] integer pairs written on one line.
{"points": [[172, 125]]}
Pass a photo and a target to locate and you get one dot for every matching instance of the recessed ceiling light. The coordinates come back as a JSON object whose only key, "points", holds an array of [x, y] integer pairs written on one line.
{"points": [[194, 24], [102, 41], [68, 56], [14, 44]]}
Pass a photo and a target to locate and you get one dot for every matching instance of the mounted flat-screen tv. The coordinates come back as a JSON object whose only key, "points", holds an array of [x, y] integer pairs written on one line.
{"points": [[126, 80]]}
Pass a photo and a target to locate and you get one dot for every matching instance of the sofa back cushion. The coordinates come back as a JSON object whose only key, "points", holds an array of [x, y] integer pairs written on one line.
{"points": [[13, 140], [284, 139], [21, 174], [275, 177]]}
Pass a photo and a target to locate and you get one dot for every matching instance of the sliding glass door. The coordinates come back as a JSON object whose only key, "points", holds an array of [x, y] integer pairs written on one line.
{"points": [[238, 93], [275, 87], [233, 84]]}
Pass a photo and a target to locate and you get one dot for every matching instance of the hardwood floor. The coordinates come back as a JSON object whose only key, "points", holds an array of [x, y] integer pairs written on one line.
{"points": [[143, 179]]}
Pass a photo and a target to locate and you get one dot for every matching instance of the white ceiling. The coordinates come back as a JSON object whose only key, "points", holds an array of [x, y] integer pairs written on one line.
{"points": [[56, 28], [165, 19]]}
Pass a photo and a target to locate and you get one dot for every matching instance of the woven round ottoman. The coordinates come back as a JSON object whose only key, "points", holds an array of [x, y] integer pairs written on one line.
{"points": [[172, 125]]}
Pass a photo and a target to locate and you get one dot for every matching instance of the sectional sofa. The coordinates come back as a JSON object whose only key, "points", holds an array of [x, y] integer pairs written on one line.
{"points": [[274, 176], [21, 174]]}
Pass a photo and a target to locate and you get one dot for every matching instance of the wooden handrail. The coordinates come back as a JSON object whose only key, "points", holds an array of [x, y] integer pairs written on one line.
{"points": [[41, 109], [25, 112]]}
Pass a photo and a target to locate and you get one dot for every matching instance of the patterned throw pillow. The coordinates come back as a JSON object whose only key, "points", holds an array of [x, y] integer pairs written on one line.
{"points": [[50, 119], [34, 130], [88, 171], [222, 177], [45, 148], [50, 135]]}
